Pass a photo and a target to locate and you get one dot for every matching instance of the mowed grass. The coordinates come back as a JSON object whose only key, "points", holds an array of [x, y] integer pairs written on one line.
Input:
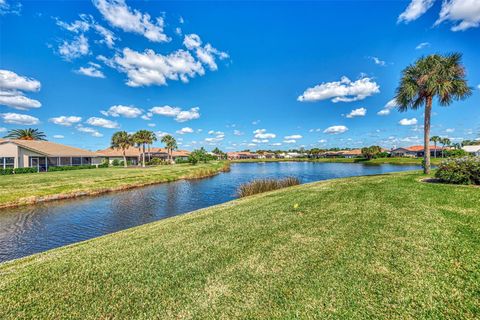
{"points": [[385, 247], [394, 160], [15, 189]]}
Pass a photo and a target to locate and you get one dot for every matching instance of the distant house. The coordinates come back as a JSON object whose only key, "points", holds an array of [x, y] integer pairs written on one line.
{"points": [[241, 155], [415, 151], [351, 153], [43, 155], [473, 150], [266, 155], [135, 155]]}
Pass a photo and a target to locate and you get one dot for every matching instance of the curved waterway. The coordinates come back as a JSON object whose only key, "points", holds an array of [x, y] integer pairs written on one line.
{"points": [[31, 229]]}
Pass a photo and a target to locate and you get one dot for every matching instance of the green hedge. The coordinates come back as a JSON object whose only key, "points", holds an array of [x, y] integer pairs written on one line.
{"points": [[25, 170], [6, 171], [68, 168], [464, 170]]}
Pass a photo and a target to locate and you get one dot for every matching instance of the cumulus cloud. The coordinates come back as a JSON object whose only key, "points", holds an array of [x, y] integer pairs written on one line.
{"points": [[466, 13], [192, 41], [293, 137], [213, 132], [408, 122], [322, 141], [263, 134], [185, 130], [104, 123], [10, 7], [91, 131], [12, 86], [289, 141], [335, 130], [78, 47], [206, 54], [176, 112], [161, 134], [414, 10], [58, 136], [450, 130], [21, 119], [387, 108], [123, 111], [66, 121], [238, 133], [91, 71], [344, 90], [422, 45], [121, 16], [360, 112], [379, 62]]}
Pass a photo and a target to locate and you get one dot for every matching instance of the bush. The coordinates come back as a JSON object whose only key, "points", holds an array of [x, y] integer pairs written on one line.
{"points": [[455, 153], [25, 170], [6, 171], [181, 160], [103, 164], [464, 170], [115, 163], [156, 162], [69, 168], [264, 185]]}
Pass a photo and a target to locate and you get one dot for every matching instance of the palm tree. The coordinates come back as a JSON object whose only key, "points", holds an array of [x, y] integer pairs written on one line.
{"points": [[435, 140], [26, 134], [432, 76], [170, 145], [121, 140], [142, 138], [445, 142]]}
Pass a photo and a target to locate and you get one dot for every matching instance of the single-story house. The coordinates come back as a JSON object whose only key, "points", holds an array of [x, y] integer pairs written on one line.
{"points": [[134, 155], [43, 154], [266, 155], [351, 153], [241, 155], [473, 150], [415, 151]]}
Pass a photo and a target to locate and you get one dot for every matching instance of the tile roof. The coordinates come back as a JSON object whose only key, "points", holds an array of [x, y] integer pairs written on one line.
{"points": [[136, 152], [51, 148]]}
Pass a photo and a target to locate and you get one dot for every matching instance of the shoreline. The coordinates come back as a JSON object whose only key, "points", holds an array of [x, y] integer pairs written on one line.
{"points": [[33, 200], [379, 161]]}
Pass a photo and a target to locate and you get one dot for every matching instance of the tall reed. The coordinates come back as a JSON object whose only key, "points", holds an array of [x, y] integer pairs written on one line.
{"points": [[264, 185]]}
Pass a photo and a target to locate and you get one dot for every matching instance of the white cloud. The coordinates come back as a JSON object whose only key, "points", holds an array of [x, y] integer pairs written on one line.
{"points": [[379, 62], [104, 123], [465, 12], [387, 108], [415, 9], [76, 48], [276, 144], [192, 41], [119, 15], [262, 134], [188, 115], [289, 141], [3, 129], [335, 129], [185, 130], [179, 114], [65, 120], [478, 87], [422, 45], [322, 141], [147, 116], [260, 140], [167, 111], [161, 134], [21, 119], [294, 137], [450, 130], [408, 122], [58, 136], [109, 37], [151, 125], [255, 122], [10, 8], [212, 132], [344, 90], [149, 68], [92, 131], [12, 86], [360, 112], [123, 111], [91, 71], [238, 133]]}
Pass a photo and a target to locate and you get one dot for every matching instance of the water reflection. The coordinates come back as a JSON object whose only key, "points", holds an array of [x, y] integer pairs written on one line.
{"points": [[27, 230]]}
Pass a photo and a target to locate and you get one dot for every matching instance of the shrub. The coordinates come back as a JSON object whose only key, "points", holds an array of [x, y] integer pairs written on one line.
{"points": [[6, 171], [181, 160], [69, 168], [455, 153], [156, 162], [115, 163], [264, 185], [104, 164], [464, 170], [25, 170]]}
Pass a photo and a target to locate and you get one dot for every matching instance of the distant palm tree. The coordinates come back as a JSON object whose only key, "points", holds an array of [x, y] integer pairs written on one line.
{"points": [[432, 76], [142, 138], [435, 140], [26, 134], [170, 145], [445, 142], [121, 140]]}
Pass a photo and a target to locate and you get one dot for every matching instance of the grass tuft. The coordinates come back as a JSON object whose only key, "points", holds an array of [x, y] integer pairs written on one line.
{"points": [[264, 185]]}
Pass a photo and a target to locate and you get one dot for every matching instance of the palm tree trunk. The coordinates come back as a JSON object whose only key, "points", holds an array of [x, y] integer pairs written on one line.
{"points": [[426, 138], [124, 159], [435, 144], [143, 155]]}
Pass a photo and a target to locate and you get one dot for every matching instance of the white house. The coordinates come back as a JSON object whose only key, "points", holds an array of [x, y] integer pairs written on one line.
{"points": [[473, 150], [43, 154]]}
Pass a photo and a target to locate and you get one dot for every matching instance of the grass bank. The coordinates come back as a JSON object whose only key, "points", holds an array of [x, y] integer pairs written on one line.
{"points": [[385, 247], [24, 189], [395, 160]]}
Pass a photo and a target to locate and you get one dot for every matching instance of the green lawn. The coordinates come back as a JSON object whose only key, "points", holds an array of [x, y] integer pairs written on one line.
{"points": [[21, 188], [385, 247], [396, 160]]}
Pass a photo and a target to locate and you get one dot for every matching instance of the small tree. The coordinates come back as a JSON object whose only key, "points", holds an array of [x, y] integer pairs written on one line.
{"points": [[142, 138], [170, 145], [121, 140], [435, 140], [444, 142], [370, 152]]}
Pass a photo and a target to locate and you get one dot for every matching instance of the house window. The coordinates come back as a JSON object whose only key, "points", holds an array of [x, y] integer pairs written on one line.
{"points": [[65, 161], [87, 160], [53, 162], [76, 161], [7, 162]]}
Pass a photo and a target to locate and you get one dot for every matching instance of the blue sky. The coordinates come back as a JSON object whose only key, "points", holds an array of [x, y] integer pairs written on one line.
{"points": [[237, 75]]}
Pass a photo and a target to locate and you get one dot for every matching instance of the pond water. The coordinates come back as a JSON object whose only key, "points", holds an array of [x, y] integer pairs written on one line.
{"points": [[32, 229]]}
